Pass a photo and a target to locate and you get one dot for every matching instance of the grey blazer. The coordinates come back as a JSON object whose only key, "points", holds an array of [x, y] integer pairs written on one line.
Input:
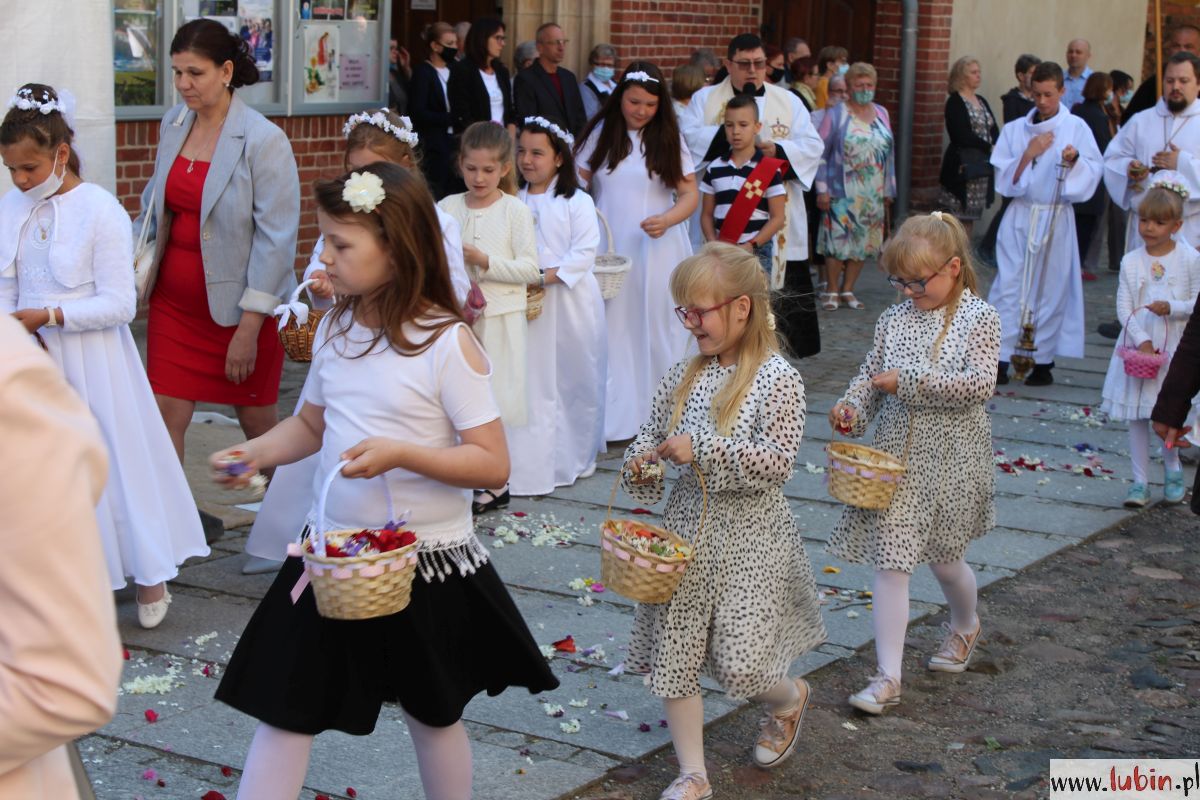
{"points": [[249, 211]]}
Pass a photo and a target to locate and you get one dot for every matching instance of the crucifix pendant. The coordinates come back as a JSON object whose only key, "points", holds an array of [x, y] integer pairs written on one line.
{"points": [[191, 165]]}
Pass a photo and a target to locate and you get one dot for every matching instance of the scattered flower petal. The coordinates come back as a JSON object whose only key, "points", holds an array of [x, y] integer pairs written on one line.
{"points": [[350, 792], [151, 715], [644, 727], [850, 726], [622, 715], [553, 709], [565, 645], [569, 727], [578, 703], [149, 775], [642, 511], [212, 794], [227, 771], [831, 570], [619, 669]]}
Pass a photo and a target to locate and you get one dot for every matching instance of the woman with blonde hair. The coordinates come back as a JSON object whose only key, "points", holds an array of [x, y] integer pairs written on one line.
{"points": [[967, 177]]}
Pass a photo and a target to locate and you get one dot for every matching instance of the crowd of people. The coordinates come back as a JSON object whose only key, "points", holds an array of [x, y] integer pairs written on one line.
{"points": [[468, 352]]}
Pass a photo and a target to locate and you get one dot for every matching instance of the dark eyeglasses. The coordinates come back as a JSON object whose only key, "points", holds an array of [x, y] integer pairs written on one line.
{"points": [[760, 64], [695, 316], [916, 287]]}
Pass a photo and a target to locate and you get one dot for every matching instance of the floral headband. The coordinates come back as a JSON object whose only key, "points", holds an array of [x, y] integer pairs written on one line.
{"points": [[550, 127], [363, 191], [23, 99], [643, 77], [379, 119], [1171, 186]]}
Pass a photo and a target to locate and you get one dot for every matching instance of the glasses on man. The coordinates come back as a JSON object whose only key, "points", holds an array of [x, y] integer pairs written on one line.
{"points": [[558, 42], [757, 66], [694, 317], [915, 287]]}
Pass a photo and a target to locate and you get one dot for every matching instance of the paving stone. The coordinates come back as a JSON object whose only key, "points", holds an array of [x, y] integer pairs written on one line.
{"points": [[1003, 547], [1047, 516], [191, 616], [225, 575]]}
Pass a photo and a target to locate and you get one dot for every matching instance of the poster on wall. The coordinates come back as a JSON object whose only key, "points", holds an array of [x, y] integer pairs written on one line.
{"points": [[363, 10], [135, 52], [256, 30], [356, 73], [218, 8], [321, 49], [322, 9]]}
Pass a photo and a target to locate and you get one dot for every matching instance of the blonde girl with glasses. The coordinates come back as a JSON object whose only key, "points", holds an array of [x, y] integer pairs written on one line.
{"points": [[746, 607], [927, 378]]}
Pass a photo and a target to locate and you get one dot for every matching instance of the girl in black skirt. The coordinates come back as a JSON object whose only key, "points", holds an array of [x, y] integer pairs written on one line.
{"points": [[398, 388]]}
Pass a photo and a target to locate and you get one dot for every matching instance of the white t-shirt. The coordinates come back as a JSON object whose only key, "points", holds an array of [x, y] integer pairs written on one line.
{"points": [[444, 76], [423, 399], [494, 95]]}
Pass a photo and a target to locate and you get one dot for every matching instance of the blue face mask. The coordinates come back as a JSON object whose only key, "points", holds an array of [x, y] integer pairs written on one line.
{"points": [[1108, 98], [843, 69], [864, 97], [604, 73], [1125, 98]]}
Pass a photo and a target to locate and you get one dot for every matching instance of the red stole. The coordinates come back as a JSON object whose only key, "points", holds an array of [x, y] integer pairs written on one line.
{"points": [[748, 198]]}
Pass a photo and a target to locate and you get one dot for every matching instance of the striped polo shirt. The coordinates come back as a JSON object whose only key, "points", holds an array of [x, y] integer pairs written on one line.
{"points": [[725, 180]]}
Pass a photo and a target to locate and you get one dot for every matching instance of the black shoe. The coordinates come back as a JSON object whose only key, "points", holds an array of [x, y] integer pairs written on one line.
{"points": [[494, 501], [1109, 330], [1002, 373], [1041, 376]]}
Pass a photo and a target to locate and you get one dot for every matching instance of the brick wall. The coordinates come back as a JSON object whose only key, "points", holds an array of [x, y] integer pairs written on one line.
{"points": [[1174, 13], [667, 31], [316, 141], [933, 64]]}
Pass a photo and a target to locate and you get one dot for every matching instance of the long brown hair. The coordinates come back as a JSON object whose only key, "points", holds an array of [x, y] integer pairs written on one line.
{"points": [[660, 137], [380, 142], [419, 293]]}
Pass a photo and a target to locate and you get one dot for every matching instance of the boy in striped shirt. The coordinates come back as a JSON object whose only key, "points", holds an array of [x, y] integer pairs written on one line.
{"points": [[743, 197]]}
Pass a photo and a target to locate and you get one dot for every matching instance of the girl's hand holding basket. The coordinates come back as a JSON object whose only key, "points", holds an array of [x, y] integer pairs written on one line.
{"points": [[888, 381], [320, 285], [1160, 307], [372, 456], [841, 418]]}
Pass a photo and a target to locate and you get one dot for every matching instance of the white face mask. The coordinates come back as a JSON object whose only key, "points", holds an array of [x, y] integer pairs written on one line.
{"points": [[46, 189]]}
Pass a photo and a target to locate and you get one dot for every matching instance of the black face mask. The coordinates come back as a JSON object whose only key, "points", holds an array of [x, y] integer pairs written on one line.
{"points": [[777, 75], [448, 54]]}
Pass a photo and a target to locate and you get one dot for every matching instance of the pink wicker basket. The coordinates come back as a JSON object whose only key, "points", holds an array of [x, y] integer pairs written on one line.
{"points": [[1144, 366]]}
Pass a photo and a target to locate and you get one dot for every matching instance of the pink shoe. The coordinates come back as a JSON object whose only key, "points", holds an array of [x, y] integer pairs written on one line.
{"points": [[780, 734], [955, 653], [881, 693], [688, 787]]}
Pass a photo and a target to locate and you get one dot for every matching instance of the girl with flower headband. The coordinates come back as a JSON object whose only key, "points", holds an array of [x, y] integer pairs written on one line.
{"points": [[500, 248], [65, 274], [927, 378], [639, 171], [398, 388], [1158, 286], [371, 137], [566, 351], [747, 605]]}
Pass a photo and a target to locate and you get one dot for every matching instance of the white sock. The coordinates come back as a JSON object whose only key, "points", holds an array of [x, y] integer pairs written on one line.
{"points": [[443, 759], [889, 603], [685, 716], [1139, 448], [276, 764], [780, 698], [958, 584], [1171, 460]]}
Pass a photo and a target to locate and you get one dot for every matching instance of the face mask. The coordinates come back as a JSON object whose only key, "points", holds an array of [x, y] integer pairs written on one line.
{"points": [[864, 97], [1125, 98], [46, 189], [604, 73], [448, 54], [1108, 98], [834, 100], [843, 69], [777, 75]]}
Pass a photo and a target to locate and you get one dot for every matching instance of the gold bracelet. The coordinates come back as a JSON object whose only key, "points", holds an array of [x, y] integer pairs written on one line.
{"points": [[53, 321]]}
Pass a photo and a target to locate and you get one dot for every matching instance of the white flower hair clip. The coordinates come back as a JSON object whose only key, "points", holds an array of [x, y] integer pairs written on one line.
{"points": [[1171, 186], [363, 191], [937, 215], [542, 122], [23, 99], [643, 77], [404, 133]]}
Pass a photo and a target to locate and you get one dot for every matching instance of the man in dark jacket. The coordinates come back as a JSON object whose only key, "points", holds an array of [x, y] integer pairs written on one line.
{"points": [[1185, 37], [547, 89], [1175, 398]]}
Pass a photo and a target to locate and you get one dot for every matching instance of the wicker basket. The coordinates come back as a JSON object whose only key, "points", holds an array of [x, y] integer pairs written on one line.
{"points": [[610, 269], [1144, 366], [297, 338], [535, 300], [862, 476], [643, 577], [358, 587]]}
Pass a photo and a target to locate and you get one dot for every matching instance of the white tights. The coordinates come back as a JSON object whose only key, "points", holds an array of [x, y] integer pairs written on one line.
{"points": [[890, 608], [278, 761], [1139, 451]]}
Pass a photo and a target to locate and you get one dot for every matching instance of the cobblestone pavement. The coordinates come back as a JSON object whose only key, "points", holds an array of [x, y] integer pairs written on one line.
{"points": [[520, 751]]}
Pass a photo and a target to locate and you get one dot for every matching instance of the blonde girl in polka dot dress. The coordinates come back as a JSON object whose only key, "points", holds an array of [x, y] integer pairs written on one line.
{"points": [[927, 379], [747, 605]]}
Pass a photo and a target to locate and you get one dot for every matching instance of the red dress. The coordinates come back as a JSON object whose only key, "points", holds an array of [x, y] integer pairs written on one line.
{"points": [[185, 349]]}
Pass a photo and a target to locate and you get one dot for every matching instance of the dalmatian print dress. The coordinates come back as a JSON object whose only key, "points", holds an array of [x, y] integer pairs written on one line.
{"points": [[747, 605], [946, 498]]}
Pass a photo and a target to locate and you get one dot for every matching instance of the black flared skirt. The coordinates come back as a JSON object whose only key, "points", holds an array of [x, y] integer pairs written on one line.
{"points": [[298, 671]]}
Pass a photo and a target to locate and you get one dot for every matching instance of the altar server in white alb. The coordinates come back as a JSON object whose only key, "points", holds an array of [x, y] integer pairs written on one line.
{"points": [[567, 351], [66, 274], [787, 124], [1166, 136], [1045, 162]]}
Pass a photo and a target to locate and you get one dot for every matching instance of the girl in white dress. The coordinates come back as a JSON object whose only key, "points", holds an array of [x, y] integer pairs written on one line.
{"points": [[500, 249], [371, 137], [747, 605], [566, 355], [1157, 291], [639, 171], [66, 274], [928, 378]]}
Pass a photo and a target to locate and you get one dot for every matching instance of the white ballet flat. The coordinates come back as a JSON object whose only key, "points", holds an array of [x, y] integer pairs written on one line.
{"points": [[151, 614]]}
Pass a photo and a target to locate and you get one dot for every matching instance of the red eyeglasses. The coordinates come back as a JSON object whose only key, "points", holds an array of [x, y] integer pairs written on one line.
{"points": [[695, 316]]}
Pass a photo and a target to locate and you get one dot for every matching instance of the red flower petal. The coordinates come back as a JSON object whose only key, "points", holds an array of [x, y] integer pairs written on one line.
{"points": [[519, 514], [350, 792], [321, 797], [226, 771], [161, 784], [126, 654], [212, 794], [644, 727], [566, 645], [151, 715]]}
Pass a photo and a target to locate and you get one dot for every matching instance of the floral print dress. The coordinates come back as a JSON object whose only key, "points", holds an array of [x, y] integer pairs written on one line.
{"points": [[747, 605], [852, 229]]}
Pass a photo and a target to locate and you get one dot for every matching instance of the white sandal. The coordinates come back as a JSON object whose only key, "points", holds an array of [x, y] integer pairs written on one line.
{"points": [[850, 301], [829, 301]]}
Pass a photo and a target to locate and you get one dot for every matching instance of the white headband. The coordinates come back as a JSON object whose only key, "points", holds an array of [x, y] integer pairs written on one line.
{"points": [[379, 119], [542, 122], [644, 77], [23, 99]]}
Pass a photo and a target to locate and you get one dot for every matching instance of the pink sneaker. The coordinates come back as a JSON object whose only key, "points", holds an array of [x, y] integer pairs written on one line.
{"points": [[688, 787], [780, 734], [882, 692], [955, 653]]}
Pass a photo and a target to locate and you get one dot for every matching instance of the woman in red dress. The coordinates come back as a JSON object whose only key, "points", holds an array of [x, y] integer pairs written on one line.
{"points": [[226, 201]]}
